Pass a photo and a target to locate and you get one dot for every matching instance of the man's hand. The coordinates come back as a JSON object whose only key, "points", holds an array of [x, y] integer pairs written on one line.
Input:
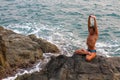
{"points": [[92, 16], [77, 51], [89, 53]]}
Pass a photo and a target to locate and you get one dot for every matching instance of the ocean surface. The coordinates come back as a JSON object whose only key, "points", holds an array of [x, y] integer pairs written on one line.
{"points": [[64, 22]]}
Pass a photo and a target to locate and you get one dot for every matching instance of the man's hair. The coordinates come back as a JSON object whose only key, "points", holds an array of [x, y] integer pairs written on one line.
{"points": [[92, 27]]}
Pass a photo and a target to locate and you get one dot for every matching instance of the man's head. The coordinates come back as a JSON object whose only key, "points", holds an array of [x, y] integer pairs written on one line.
{"points": [[92, 30]]}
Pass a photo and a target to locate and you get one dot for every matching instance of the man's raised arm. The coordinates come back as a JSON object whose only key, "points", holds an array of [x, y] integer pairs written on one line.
{"points": [[89, 23], [95, 24]]}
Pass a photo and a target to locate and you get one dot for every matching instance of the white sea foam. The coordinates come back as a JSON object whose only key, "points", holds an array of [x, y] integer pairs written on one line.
{"points": [[106, 49], [23, 71]]}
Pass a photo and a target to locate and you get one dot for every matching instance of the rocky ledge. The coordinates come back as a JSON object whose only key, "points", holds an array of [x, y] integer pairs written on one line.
{"points": [[77, 68], [20, 51]]}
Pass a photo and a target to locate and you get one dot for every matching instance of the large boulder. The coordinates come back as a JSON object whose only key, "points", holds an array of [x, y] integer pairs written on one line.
{"points": [[20, 51], [77, 68], [45, 45]]}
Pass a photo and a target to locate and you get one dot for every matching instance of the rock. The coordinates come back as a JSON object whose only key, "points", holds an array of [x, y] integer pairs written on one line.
{"points": [[20, 51], [3, 60], [45, 45], [77, 68]]}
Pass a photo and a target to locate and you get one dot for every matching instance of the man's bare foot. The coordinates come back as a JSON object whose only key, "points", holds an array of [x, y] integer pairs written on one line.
{"points": [[88, 53], [82, 51], [78, 51]]}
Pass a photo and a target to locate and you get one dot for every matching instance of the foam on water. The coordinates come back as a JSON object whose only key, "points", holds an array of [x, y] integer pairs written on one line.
{"points": [[108, 49], [35, 68]]}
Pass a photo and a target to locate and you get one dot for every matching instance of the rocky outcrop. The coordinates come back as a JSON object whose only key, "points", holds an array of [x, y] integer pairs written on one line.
{"points": [[20, 51], [45, 45], [77, 68]]}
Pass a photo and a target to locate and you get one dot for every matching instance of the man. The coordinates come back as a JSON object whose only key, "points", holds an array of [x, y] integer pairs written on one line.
{"points": [[91, 40]]}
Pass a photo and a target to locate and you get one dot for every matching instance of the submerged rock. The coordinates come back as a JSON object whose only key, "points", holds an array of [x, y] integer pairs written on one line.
{"points": [[20, 51], [77, 68]]}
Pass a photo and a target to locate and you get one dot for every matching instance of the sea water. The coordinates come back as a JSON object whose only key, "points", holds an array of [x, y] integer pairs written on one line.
{"points": [[64, 22]]}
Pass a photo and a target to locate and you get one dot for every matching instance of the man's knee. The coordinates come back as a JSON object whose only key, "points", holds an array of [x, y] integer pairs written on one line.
{"points": [[88, 59]]}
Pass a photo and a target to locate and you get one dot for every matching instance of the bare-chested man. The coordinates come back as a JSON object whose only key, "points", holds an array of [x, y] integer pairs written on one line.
{"points": [[91, 40]]}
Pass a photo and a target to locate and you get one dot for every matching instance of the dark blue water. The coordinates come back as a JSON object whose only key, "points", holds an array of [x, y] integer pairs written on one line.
{"points": [[64, 22]]}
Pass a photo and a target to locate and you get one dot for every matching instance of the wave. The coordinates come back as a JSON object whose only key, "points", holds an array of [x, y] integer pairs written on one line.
{"points": [[108, 49], [23, 71]]}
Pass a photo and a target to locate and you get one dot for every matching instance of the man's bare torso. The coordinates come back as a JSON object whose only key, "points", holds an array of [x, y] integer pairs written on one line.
{"points": [[91, 40]]}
